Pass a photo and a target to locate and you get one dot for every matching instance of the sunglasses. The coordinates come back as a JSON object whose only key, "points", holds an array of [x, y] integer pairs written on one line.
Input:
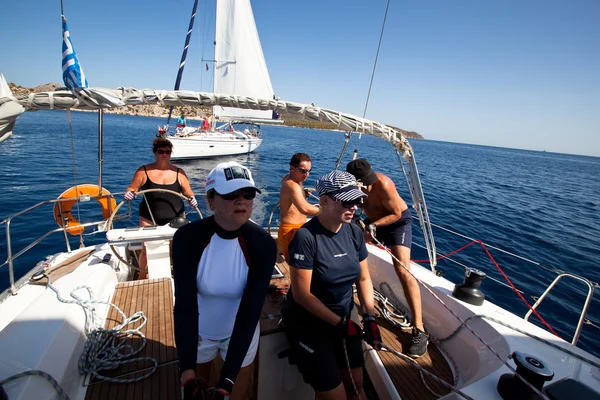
{"points": [[348, 204], [247, 193], [302, 170], [351, 203], [163, 151]]}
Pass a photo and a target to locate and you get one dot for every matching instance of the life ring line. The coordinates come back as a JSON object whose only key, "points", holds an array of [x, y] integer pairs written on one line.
{"points": [[74, 227]]}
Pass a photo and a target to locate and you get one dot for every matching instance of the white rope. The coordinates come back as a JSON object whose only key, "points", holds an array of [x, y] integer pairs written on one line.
{"points": [[107, 349], [43, 374]]}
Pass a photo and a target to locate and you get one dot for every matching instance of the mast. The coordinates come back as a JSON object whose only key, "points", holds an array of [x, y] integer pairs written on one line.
{"points": [[184, 55]]}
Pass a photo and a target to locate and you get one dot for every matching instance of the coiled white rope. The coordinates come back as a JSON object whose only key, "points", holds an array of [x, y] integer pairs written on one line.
{"points": [[107, 349]]}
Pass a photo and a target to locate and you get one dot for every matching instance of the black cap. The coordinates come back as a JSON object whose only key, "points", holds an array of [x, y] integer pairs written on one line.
{"points": [[361, 169]]}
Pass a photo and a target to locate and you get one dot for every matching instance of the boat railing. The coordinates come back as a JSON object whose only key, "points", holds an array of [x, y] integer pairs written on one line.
{"points": [[64, 229], [591, 285], [586, 304]]}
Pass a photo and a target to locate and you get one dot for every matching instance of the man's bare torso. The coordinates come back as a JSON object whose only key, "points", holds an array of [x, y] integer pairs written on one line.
{"points": [[382, 199], [288, 212]]}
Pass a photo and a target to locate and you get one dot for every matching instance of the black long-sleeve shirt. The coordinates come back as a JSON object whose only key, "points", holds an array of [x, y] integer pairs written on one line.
{"points": [[189, 242]]}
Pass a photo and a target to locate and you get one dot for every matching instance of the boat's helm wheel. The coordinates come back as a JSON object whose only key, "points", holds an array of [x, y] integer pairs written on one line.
{"points": [[176, 222]]}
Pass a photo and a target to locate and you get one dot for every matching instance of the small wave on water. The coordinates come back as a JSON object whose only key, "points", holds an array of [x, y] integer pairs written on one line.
{"points": [[542, 206]]}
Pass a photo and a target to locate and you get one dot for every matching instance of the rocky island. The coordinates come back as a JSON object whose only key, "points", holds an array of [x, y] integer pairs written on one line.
{"points": [[147, 110]]}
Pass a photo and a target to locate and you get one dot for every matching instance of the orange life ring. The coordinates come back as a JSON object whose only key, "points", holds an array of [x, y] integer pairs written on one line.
{"points": [[73, 226]]}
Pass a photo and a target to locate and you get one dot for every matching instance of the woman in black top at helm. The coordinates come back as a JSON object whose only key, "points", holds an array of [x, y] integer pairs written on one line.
{"points": [[160, 174]]}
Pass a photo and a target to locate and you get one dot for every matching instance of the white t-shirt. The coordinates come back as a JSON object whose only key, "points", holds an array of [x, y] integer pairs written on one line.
{"points": [[221, 279]]}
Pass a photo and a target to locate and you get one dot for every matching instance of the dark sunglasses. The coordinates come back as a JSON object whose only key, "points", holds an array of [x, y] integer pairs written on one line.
{"points": [[351, 203], [164, 151], [247, 193], [302, 170]]}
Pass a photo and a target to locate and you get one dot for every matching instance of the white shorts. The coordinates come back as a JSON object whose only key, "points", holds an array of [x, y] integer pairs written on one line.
{"points": [[207, 349]]}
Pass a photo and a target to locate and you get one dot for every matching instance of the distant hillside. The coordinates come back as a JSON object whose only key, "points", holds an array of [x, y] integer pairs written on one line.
{"points": [[189, 112], [328, 125]]}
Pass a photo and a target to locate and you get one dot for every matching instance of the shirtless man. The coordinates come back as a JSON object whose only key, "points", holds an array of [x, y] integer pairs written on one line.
{"points": [[390, 222], [292, 201]]}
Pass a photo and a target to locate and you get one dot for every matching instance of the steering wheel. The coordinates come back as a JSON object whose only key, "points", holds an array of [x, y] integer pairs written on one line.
{"points": [[109, 222]]}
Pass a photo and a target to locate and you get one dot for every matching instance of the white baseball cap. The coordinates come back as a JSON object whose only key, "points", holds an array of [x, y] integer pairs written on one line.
{"points": [[228, 177]]}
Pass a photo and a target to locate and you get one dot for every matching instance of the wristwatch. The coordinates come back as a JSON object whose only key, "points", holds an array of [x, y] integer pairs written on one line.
{"points": [[368, 317]]}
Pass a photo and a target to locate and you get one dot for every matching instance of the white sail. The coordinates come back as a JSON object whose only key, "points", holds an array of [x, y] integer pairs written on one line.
{"points": [[240, 66], [9, 111], [4, 89]]}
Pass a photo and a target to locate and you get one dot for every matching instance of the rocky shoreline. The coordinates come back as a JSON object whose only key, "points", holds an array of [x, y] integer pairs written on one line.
{"points": [[192, 113]]}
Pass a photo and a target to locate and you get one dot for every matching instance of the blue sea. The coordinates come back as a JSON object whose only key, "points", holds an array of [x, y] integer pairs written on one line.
{"points": [[542, 206]]}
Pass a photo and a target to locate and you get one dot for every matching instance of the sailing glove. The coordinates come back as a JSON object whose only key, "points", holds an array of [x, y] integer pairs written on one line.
{"points": [[193, 202], [192, 390], [372, 334], [130, 195], [348, 328]]}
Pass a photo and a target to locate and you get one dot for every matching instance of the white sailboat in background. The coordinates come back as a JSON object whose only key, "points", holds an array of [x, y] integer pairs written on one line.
{"points": [[239, 70], [8, 111]]}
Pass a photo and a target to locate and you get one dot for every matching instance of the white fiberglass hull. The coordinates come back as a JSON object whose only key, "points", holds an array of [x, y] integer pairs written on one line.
{"points": [[477, 369], [213, 145]]}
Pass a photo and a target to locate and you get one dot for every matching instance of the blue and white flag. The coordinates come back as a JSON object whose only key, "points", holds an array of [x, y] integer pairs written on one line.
{"points": [[73, 75]]}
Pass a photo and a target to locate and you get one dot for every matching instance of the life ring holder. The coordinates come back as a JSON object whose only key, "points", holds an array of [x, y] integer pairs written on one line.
{"points": [[63, 214], [114, 213]]}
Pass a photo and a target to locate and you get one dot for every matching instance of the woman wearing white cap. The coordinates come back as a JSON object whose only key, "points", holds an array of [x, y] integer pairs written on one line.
{"points": [[327, 256], [222, 267]]}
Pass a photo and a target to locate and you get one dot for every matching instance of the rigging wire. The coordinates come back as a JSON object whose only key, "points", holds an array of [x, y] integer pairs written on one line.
{"points": [[372, 76], [494, 352], [81, 245]]}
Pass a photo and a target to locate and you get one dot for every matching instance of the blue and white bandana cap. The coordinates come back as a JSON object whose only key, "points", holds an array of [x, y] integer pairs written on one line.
{"points": [[340, 185]]}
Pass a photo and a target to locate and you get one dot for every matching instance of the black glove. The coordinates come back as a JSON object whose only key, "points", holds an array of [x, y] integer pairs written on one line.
{"points": [[192, 390], [371, 329], [348, 328]]}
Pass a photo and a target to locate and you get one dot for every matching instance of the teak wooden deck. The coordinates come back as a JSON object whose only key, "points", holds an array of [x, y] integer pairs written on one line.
{"points": [[405, 377], [155, 298]]}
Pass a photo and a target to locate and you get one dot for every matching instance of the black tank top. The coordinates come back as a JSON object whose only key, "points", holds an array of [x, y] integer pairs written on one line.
{"points": [[164, 206]]}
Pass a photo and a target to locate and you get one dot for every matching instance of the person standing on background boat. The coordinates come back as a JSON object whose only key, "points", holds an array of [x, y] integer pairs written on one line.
{"points": [[159, 208], [390, 222], [293, 207], [328, 256], [181, 122], [205, 125], [222, 267]]}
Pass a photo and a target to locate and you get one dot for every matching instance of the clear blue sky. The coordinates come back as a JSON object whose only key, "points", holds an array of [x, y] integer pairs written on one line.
{"points": [[511, 73]]}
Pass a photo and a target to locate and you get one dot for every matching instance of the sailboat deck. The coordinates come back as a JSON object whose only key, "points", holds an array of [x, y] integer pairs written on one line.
{"points": [[155, 298], [405, 377]]}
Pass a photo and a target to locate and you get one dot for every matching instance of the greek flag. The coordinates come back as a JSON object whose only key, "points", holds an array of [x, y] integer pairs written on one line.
{"points": [[73, 75]]}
